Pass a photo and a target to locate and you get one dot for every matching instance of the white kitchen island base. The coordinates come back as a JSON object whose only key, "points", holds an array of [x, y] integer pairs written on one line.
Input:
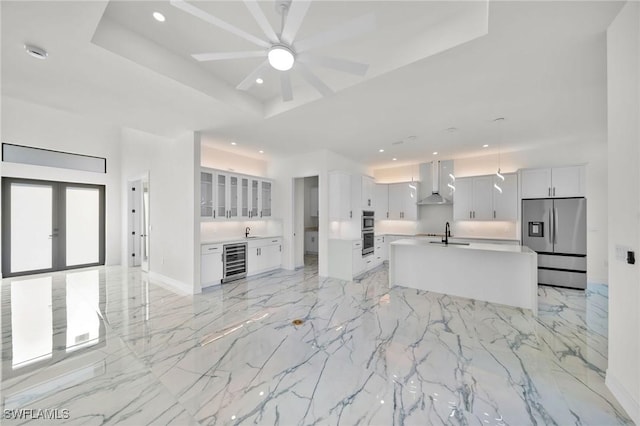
{"points": [[496, 273]]}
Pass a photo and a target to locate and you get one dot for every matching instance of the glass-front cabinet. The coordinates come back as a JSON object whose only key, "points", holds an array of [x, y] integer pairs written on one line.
{"points": [[229, 196]]}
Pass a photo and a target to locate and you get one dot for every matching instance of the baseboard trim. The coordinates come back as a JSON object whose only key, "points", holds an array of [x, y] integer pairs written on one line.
{"points": [[631, 406], [171, 284]]}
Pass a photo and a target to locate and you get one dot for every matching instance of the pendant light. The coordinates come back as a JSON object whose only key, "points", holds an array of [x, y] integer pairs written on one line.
{"points": [[498, 174]]}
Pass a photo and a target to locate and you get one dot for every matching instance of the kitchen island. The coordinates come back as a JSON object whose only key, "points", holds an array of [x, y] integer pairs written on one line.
{"points": [[497, 273]]}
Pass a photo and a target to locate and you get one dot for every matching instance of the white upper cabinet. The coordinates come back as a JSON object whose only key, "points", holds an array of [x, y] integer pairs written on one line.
{"points": [[568, 181], [505, 203], [228, 196], [340, 196], [206, 195], [403, 198], [368, 199], [476, 198], [483, 198], [356, 197], [381, 201], [553, 182], [463, 199]]}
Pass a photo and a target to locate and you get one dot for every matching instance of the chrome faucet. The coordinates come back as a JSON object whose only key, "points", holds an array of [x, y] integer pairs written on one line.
{"points": [[447, 233], [246, 232]]}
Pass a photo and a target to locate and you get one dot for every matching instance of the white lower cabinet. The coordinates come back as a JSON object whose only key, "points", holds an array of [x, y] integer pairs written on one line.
{"points": [[311, 242], [358, 262], [381, 250], [210, 265], [263, 255]]}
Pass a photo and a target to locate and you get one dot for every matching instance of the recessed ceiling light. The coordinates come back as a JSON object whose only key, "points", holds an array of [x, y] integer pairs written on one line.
{"points": [[233, 143], [261, 152], [412, 137], [498, 119], [435, 152], [36, 52], [485, 145], [158, 17], [397, 143], [381, 150], [394, 159], [259, 80]]}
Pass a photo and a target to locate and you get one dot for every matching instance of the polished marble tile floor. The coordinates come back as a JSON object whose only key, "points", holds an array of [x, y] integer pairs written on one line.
{"points": [[107, 346]]}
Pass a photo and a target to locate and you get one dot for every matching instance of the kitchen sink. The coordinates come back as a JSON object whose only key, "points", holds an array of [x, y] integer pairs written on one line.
{"points": [[450, 243]]}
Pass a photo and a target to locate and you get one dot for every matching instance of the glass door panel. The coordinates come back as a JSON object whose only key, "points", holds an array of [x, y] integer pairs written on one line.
{"points": [[82, 226], [222, 196], [266, 199], [32, 231], [206, 194], [254, 198], [244, 212], [233, 196]]}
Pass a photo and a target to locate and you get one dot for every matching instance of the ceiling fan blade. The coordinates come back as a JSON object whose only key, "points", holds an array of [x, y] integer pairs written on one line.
{"points": [[285, 86], [229, 55], [344, 65], [313, 80], [344, 31], [251, 78], [295, 15], [207, 17], [262, 21]]}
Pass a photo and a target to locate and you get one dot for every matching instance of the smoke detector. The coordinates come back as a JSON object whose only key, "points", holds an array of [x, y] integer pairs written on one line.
{"points": [[36, 52]]}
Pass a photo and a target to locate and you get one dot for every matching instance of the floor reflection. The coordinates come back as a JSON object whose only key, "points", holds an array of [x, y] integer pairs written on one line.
{"points": [[46, 320]]}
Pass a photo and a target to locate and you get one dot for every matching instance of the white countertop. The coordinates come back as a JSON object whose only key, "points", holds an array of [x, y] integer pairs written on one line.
{"points": [[453, 238], [510, 248], [238, 239]]}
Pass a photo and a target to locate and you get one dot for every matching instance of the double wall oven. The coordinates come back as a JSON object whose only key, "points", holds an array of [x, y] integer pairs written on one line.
{"points": [[368, 240]]}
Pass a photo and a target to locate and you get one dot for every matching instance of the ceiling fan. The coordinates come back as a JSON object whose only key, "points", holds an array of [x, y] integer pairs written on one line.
{"points": [[281, 50]]}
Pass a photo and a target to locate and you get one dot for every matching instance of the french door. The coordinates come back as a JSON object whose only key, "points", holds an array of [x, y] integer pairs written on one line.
{"points": [[51, 226]]}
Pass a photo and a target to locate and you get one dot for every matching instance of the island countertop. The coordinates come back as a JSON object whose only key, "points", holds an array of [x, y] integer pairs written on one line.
{"points": [[470, 246]]}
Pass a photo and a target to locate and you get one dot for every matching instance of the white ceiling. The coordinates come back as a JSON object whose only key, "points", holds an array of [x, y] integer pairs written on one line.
{"points": [[542, 65]]}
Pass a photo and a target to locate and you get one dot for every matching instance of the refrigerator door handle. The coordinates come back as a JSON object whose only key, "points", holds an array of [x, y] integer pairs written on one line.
{"points": [[550, 232], [555, 225]]}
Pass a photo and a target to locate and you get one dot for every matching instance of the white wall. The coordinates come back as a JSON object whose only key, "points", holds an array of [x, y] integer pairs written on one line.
{"points": [[224, 160], [172, 174], [33, 125], [623, 75], [284, 171], [432, 218]]}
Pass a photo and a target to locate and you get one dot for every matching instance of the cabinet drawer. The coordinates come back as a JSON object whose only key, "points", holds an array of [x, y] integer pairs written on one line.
{"points": [[263, 242], [210, 248], [573, 263], [379, 240]]}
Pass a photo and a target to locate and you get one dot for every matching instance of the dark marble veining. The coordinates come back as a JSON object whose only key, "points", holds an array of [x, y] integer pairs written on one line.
{"points": [[365, 354]]}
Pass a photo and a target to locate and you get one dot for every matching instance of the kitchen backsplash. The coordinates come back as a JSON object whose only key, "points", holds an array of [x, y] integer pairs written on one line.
{"points": [[223, 230]]}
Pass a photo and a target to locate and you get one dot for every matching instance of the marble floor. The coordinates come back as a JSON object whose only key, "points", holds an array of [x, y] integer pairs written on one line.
{"points": [[107, 346]]}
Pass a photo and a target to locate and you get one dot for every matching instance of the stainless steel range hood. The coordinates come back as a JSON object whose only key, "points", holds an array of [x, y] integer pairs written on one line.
{"points": [[435, 197]]}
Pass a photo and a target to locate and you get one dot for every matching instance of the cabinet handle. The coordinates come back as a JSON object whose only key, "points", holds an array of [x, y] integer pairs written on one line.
{"points": [[554, 191], [257, 252], [494, 214], [469, 214], [280, 247], [549, 191], [274, 241], [387, 215], [214, 214], [260, 213], [212, 248], [350, 214]]}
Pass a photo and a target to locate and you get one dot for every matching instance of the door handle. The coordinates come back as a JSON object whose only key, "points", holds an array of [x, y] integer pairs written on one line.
{"points": [[555, 225]]}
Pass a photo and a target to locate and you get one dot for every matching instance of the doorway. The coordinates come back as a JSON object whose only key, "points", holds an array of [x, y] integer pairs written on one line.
{"points": [[51, 226], [306, 222]]}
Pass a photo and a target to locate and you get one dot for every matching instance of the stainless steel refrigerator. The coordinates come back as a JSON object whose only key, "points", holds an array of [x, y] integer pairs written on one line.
{"points": [[557, 230]]}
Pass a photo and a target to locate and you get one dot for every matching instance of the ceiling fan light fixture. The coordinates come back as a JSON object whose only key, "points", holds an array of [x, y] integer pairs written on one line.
{"points": [[281, 57]]}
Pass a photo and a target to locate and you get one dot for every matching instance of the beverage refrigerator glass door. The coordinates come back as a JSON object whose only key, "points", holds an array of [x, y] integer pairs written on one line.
{"points": [[367, 220]]}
